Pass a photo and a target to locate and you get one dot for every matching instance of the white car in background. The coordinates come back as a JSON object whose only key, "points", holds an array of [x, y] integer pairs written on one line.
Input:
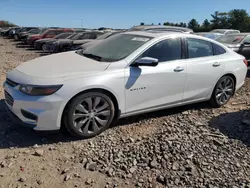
{"points": [[126, 74]]}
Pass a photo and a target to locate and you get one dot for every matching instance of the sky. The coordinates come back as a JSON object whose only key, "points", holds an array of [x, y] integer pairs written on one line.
{"points": [[111, 13]]}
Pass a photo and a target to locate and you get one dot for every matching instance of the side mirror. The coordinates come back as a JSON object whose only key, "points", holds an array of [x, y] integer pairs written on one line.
{"points": [[146, 61], [246, 44]]}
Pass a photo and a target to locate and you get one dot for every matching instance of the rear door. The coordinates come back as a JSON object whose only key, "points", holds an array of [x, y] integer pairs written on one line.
{"points": [[203, 69]]}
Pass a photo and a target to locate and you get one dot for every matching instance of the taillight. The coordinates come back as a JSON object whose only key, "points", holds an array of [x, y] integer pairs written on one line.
{"points": [[245, 61]]}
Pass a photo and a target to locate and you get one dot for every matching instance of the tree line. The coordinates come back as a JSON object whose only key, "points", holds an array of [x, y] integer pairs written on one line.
{"points": [[234, 19], [4, 23]]}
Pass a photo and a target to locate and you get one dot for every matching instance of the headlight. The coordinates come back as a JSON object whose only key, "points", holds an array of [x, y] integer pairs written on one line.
{"points": [[39, 90]]}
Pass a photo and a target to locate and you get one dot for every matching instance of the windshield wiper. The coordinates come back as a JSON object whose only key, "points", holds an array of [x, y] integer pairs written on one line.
{"points": [[92, 56]]}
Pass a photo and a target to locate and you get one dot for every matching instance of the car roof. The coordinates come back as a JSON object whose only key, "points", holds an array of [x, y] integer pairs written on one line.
{"points": [[225, 30], [238, 34], [148, 27]]}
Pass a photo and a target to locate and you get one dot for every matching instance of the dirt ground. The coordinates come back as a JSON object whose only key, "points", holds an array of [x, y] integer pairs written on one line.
{"points": [[191, 146]]}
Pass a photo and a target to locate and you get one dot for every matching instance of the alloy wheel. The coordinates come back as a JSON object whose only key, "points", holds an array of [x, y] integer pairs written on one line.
{"points": [[224, 90], [91, 115]]}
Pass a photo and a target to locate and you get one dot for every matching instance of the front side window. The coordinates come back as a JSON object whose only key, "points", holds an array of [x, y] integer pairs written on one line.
{"points": [[199, 48], [116, 47], [167, 50]]}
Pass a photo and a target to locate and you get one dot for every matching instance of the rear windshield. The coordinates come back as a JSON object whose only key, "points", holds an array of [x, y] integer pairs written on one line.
{"points": [[231, 39]]}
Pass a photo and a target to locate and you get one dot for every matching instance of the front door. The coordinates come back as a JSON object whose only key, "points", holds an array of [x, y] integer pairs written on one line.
{"points": [[148, 87]]}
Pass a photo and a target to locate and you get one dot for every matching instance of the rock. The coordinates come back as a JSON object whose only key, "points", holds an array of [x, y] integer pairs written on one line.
{"points": [[150, 179], [160, 179], [185, 113], [217, 142], [35, 146], [39, 152], [175, 166], [110, 172], [139, 184], [3, 164], [65, 170], [153, 163], [88, 181], [129, 176], [67, 177], [132, 170], [39, 182], [92, 166], [26, 151], [22, 179]]}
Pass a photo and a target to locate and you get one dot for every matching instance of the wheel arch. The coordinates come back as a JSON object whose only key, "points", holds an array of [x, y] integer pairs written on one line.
{"points": [[226, 74], [101, 90]]}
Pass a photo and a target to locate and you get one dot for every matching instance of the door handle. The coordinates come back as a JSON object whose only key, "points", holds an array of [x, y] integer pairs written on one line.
{"points": [[178, 69], [216, 64]]}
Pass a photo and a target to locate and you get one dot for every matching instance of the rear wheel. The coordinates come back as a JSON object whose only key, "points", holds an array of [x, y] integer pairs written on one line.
{"points": [[223, 91], [44, 47], [89, 114]]}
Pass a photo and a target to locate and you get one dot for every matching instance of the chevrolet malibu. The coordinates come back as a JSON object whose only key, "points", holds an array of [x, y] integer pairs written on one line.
{"points": [[127, 74]]}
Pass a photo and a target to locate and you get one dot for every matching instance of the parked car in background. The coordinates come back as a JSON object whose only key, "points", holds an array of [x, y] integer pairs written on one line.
{"points": [[225, 31], [76, 44], [160, 28], [41, 44], [50, 33], [85, 91], [6, 32], [239, 43], [21, 31], [63, 45], [25, 35], [13, 31], [210, 35], [94, 42]]}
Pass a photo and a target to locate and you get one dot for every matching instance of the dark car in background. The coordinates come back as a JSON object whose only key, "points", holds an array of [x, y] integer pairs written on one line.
{"points": [[82, 44], [41, 44], [50, 33], [63, 45], [13, 31], [239, 43], [21, 31]]}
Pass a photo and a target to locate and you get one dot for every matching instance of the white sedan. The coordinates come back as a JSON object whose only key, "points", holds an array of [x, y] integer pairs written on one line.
{"points": [[127, 74]]}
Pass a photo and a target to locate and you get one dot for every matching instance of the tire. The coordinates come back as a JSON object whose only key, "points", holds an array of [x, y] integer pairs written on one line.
{"points": [[44, 47], [89, 114], [223, 91]]}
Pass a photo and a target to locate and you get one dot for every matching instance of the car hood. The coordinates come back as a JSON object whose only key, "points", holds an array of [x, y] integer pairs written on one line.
{"points": [[63, 41], [82, 41], [60, 66], [46, 40]]}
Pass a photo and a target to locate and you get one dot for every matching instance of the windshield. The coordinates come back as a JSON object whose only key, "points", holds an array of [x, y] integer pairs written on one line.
{"points": [[116, 47], [71, 36], [231, 39], [104, 36], [62, 36], [77, 36], [218, 31]]}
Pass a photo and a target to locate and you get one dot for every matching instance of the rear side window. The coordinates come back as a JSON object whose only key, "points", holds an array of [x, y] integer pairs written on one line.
{"points": [[218, 50], [167, 50], [199, 48]]}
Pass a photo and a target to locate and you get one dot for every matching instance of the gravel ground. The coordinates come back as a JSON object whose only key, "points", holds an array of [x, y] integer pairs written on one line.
{"points": [[191, 146]]}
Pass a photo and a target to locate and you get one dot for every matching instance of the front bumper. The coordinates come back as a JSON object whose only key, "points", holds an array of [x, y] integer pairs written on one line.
{"points": [[42, 113], [38, 45]]}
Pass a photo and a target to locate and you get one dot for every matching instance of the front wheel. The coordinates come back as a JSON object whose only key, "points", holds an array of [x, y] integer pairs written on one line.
{"points": [[223, 91], [89, 114]]}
